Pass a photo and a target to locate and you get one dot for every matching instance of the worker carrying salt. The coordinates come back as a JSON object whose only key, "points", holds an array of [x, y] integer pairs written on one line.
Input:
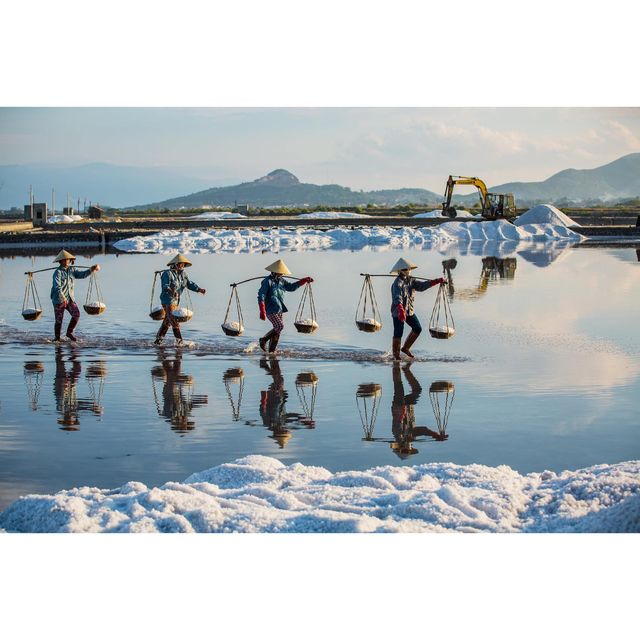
{"points": [[402, 295], [271, 301], [173, 282], [62, 292]]}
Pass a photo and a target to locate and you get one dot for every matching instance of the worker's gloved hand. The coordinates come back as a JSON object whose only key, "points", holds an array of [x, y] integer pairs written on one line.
{"points": [[306, 280], [263, 311], [202, 291], [402, 314], [95, 267], [439, 281]]}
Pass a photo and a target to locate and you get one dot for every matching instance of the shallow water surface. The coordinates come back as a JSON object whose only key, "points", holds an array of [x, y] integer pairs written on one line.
{"points": [[543, 372]]}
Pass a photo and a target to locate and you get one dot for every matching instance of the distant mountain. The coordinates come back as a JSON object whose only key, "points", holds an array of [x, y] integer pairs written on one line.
{"points": [[282, 188], [617, 180], [108, 184]]}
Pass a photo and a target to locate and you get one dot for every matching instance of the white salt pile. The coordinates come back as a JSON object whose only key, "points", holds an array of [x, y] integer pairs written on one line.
{"points": [[233, 326], [545, 214], [261, 494], [64, 218], [308, 322], [182, 313], [440, 237], [218, 215], [96, 305], [331, 215]]}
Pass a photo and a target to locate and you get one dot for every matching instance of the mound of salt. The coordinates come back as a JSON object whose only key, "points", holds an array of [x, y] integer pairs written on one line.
{"points": [[308, 322], [96, 305], [545, 214], [183, 313], [233, 326]]}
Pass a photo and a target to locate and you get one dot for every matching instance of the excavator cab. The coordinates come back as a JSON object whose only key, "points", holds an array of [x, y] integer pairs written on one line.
{"points": [[494, 205]]}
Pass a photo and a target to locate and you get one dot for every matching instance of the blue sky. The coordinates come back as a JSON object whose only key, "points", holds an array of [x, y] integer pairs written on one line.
{"points": [[364, 148]]}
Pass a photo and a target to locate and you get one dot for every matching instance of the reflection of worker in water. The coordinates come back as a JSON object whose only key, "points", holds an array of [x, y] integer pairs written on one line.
{"points": [[273, 402], [65, 390], [493, 270], [403, 418], [178, 399]]}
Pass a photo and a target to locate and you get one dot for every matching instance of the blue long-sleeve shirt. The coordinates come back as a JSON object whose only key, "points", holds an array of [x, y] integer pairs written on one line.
{"points": [[403, 291], [271, 292], [62, 288], [173, 284]]}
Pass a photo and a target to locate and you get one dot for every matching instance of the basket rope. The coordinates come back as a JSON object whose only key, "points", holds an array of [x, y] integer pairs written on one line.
{"points": [[234, 295], [306, 301], [153, 291], [368, 298], [93, 287], [441, 310], [31, 294]]}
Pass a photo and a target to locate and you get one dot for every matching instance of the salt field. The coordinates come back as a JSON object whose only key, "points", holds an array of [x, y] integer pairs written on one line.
{"points": [[534, 380]]}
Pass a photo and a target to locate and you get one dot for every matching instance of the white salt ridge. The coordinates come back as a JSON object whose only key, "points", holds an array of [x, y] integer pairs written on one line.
{"points": [[233, 326], [437, 213], [332, 215], [96, 304], [218, 215], [260, 494], [277, 239], [64, 218], [545, 214], [182, 312]]}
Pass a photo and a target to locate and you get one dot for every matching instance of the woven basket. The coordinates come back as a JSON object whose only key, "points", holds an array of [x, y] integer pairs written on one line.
{"points": [[442, 333], [157, 313], [304, 327], [93, 310], [31, 314], [368, 327], [230, 331], [185, 318]]}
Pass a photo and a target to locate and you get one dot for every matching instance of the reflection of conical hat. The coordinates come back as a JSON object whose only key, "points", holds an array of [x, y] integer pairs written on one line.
{"points": [[179, 258], [64, 255], [278, 267], [403, 264]]}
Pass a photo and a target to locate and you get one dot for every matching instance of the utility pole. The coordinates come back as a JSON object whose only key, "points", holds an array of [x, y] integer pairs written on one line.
{"points": [[31, 200], [53, 202]]}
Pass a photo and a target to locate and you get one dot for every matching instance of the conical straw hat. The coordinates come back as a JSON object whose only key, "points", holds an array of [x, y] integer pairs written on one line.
{"points": [[403, 264], [64, 255], [179, 258], [278, 267]]}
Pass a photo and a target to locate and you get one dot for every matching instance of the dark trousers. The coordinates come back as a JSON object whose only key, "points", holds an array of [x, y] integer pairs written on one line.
{"points": [[412, 321]]}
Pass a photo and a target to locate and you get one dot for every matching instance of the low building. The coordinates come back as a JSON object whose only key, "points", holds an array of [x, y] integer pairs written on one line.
{"points": [[37, 213]]}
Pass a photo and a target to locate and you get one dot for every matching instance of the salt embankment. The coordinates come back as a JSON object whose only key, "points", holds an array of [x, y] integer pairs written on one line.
{"points": [[441, 238], [331, 215], [261, 494], [437, 213]]}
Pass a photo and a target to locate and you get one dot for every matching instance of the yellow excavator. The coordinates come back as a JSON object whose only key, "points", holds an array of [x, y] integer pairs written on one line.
{"points": [[494, 205]]}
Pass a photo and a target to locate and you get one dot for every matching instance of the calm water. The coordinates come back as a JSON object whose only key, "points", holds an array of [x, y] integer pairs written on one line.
{"points": [[543, 372]]}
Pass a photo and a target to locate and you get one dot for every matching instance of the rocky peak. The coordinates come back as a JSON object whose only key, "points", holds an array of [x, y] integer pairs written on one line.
{"points": [[279, 178]]}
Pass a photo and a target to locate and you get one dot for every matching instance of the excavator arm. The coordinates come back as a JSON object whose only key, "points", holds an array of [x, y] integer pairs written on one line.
{"points": [[448, 210]]}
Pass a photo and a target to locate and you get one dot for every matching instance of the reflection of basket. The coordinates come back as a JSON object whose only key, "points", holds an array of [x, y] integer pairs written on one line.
{"points": [[306, 379], [157, 313], [95, 308], [31, 314], [306, 326], [306, 306], [440, 386], [233, 329], [442, 333], [369, 325], [369, 390], [367, 312]]}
